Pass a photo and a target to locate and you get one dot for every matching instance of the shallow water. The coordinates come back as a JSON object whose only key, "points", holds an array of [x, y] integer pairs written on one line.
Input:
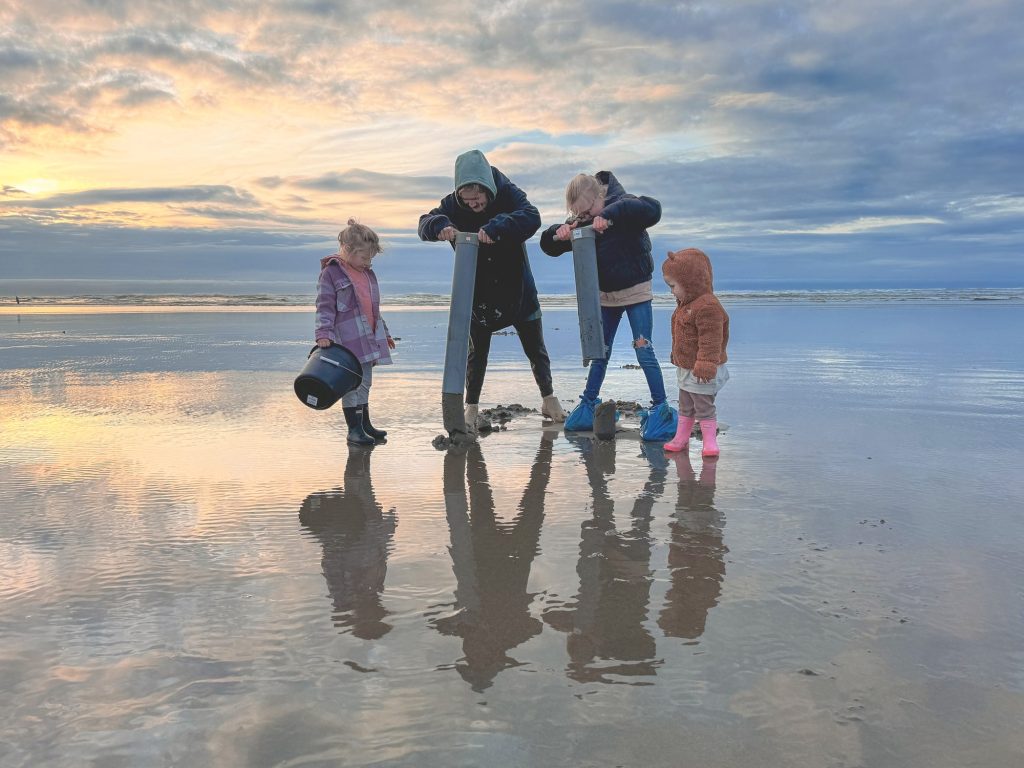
{"points": [[197, 571]]}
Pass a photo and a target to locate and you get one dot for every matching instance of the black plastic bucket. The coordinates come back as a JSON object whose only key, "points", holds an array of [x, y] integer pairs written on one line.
{"points": [[329, 375]]}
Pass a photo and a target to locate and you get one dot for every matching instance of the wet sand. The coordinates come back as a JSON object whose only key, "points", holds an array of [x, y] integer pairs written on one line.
{"points": [[198, 571]]}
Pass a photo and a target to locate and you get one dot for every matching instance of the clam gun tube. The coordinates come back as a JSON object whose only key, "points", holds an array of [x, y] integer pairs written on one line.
{"points": [[588, 299], [453, 384]]}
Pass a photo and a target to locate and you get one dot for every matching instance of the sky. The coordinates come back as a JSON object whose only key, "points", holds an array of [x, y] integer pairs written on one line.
{"points": [[800, 143]]}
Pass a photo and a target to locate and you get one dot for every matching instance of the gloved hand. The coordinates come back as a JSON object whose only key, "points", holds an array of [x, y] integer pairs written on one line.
{"points": [[704, 370]]}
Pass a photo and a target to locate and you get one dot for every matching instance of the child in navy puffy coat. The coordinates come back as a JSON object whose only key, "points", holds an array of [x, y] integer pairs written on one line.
{"points": [[624, 268]]}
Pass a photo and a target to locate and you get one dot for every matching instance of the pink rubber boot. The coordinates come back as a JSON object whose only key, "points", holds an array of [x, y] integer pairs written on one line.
{"points": [[682, 439], [709, 432]]}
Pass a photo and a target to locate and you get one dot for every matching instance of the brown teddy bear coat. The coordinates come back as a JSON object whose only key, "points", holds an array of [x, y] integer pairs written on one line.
{"points": [[700, 325]]}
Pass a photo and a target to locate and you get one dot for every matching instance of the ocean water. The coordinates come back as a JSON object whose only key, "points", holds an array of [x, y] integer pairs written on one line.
{"points": [[54, 294], [196, 570]]}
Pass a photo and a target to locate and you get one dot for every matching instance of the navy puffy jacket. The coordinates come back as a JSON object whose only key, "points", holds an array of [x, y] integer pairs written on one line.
{"points": [[505, 292], [624, 249]]}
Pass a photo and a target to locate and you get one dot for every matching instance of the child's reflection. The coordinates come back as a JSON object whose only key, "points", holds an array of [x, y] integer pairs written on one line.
{"points": [[696, 554], [491, 560], [356, 536], [605, 620]]}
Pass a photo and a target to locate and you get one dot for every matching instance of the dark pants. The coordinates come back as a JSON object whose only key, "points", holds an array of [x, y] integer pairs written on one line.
{"points": [[531, 336]]}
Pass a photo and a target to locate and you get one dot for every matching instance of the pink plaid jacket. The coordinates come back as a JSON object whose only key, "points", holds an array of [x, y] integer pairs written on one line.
{"points": [[340, 318]]}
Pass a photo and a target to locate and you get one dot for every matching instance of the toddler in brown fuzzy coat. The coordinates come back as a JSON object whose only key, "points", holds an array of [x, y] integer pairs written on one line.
{"points": [[700, 334]]}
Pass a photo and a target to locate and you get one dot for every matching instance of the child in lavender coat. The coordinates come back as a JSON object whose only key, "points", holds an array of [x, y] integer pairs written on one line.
{"points": [[348, 314]]}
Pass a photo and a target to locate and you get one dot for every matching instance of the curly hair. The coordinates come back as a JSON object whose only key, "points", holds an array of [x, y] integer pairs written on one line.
{"points": [[356, 236]]}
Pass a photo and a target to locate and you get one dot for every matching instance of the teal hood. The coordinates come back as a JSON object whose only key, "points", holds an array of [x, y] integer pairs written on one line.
{"points": [[472, 168]]}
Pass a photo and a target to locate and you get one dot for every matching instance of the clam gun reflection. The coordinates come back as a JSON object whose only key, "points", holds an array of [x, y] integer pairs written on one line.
{"points": [[491, 561]]}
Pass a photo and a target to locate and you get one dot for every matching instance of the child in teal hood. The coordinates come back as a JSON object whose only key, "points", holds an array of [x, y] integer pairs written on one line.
{"points": [[486, 202]]}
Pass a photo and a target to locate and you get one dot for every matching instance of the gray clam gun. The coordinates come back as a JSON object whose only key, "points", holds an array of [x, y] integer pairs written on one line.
{"points": [[460, 313], [588, 299]]}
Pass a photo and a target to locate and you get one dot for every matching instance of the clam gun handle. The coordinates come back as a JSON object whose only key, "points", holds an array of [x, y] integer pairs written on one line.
{"points": [[588, 226]]}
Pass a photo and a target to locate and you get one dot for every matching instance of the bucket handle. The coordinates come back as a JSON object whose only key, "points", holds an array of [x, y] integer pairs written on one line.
{"points": [[335, 363]]}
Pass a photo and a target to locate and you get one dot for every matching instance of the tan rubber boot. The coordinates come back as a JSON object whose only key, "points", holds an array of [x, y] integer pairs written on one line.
{"points": [[552, 409], [472, 411]]}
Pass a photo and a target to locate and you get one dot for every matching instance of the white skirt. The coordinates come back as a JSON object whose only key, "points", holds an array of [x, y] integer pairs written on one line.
{"points": [[688, 382]]}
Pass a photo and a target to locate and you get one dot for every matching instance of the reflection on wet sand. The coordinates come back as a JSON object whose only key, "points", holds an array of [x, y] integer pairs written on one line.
{"points": [[605, 620], [356, 537], [491, 559], [696, 552]]}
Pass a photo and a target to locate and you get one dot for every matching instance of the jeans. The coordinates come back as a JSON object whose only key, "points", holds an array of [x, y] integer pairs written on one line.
{"points": [[531, 336], [641, 322]]}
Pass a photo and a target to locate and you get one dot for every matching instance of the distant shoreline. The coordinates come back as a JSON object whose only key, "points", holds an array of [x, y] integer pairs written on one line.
{"points": [[250, 302]]}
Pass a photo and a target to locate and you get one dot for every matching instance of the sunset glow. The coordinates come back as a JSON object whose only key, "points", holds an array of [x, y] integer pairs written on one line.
{"points": [[785, 138]]}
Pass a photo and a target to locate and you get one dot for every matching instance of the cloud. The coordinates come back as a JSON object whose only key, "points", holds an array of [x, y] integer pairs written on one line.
{"points": [[93, 197], [191, 47], [380, 184], [16, 57], [85, 80], [860, 224], [791, 137], [29, 112], [990, 206]]}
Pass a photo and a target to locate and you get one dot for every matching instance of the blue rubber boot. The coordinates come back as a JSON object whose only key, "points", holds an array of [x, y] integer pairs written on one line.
{"points": [[659, 422], [582, 417]]}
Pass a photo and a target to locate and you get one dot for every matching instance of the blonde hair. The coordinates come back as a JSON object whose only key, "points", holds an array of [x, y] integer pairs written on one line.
{"points": [[580, 185], [356, 236]]}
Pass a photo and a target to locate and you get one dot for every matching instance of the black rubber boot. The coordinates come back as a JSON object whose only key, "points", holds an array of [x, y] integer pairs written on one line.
{"points": [[354, 419], [380, 435]]}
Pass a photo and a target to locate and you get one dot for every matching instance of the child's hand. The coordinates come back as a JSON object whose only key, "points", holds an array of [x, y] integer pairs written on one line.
{"points": [[391, 343], [323, 343], [448, 233], [600, 223], [564, 232], [704, 371]]}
